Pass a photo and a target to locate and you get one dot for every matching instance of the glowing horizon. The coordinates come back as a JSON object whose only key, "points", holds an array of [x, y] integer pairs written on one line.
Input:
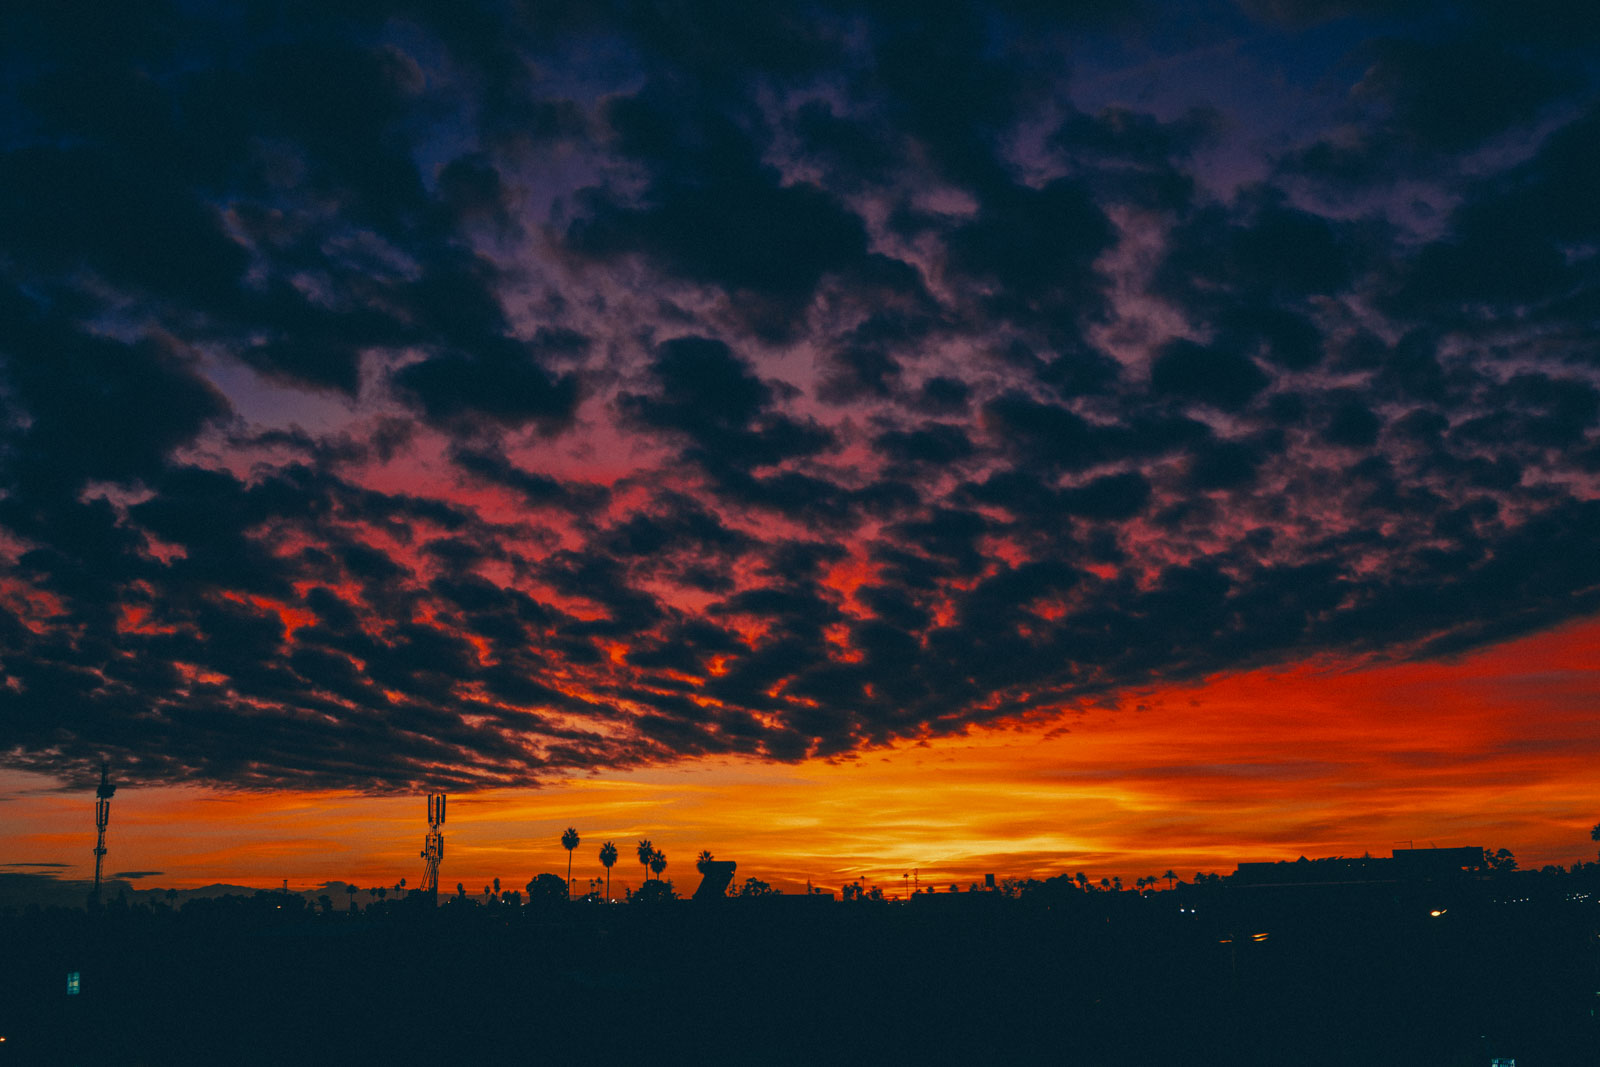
{"points": [[1315, 760]]}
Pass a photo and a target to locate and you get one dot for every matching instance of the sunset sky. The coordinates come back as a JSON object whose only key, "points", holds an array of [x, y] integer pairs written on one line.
{"points": [[851, 438]]}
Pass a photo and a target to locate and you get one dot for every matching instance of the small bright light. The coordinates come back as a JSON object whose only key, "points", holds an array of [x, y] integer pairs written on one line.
{"points": [[1436, 912]]}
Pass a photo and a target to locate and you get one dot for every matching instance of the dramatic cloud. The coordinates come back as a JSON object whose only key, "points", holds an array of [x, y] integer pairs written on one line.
{"points": [[468, 398]]}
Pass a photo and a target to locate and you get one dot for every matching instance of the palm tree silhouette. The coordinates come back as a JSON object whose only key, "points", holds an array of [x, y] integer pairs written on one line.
{"points": [[608, 857], [1170, 876], [658, 862], [703, 859], [646, 852], [569, 841]]}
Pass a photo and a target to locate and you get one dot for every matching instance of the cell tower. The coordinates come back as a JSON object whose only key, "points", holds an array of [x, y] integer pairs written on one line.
{"points": [[102, 818], [433, 845]]}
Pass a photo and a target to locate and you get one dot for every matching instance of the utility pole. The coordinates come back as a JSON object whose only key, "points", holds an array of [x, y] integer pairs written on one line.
{"points": [[102, 818], [433, 846]]}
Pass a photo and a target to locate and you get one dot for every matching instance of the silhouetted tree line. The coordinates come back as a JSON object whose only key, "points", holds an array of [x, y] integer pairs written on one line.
{"points": [[1072, 968], [1061, 969]]}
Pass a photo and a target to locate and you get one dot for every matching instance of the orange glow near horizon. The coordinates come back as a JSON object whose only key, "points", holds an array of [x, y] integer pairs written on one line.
{"points": [[1495, 748]]}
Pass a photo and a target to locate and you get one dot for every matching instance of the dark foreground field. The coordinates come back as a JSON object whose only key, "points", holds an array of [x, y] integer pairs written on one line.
{"points": [[1174, 978]]}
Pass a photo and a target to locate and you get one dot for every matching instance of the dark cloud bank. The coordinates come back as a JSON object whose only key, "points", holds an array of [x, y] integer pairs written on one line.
{"points": [[458, 396]]}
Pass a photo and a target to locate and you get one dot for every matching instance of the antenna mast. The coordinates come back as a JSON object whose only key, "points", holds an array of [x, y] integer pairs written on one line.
{"points": [[433, 845], [102, 818]]}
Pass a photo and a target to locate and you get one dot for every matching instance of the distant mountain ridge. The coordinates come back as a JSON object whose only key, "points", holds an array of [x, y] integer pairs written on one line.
{"points": [[20, 889]]}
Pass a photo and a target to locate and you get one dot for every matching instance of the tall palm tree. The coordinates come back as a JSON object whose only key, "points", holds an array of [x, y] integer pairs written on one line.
{"points": [[569, 841], [608, 858], [658, 862], [1170, 876], [703, 859], [647, 852]]}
